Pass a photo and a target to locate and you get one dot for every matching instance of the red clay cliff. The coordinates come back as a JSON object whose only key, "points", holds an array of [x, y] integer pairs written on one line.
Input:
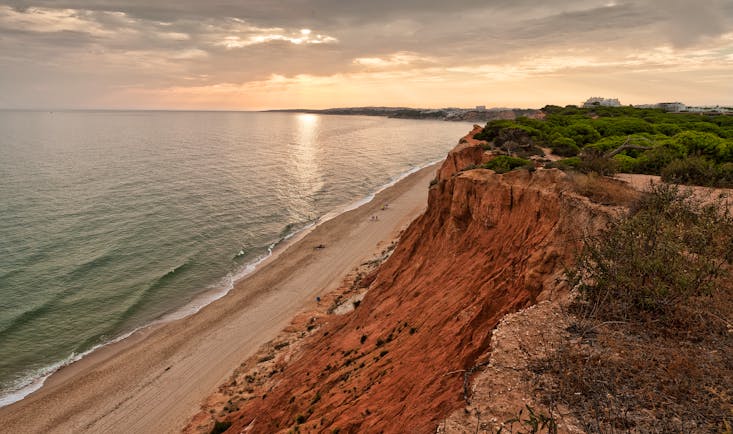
{"points": [[486, 246]]}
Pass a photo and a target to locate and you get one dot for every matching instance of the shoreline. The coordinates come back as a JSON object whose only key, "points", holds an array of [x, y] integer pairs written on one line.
{"points": [[70, 378], [40, 377]]}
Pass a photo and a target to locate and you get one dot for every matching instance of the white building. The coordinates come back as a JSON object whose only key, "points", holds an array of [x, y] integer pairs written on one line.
{"points": [[596, 101], [672, 106]]}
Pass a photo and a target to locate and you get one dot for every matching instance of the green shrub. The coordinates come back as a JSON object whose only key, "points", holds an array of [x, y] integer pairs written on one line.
{"points": [[592, 161], [607, 143], [565, 147], [654, 160], [505, 163], [492, 129], [644, 266], [692, 170], [698, 143], [625, 164], [571, 163], [725, 175], [668, 129], [582, 133], [724, 151]]}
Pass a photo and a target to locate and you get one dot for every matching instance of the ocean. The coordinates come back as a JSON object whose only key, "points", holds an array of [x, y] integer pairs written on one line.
{"points": [[112, 220]]}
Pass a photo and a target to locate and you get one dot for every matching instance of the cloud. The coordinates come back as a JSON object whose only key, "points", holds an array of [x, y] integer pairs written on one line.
{"points": [[254, 35], [97, 47], [399, 59], [46, 20]]}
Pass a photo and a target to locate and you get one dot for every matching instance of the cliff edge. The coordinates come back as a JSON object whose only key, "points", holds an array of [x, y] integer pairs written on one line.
{"points": [[487, 245]]}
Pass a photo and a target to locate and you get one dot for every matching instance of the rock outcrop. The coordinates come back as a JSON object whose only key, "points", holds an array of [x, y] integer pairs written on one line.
{"points": [[469, 152], [486, 246]]}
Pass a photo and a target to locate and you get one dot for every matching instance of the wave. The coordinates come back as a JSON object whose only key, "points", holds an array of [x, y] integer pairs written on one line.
{"points": [[35, 380], [31, 314], [84, 268], [146, 294]]}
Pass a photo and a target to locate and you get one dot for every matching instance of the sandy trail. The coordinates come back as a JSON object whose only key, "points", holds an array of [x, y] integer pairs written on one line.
{"points": [[155, 380], [705, 194]]}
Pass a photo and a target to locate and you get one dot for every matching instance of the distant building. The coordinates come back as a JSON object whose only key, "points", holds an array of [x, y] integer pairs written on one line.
{"points": [[481, 108], [676, 107], [672, 106], [604, 102]]}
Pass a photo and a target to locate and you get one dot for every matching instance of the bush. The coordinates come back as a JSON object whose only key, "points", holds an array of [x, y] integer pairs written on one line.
{"points": [[592, 161], [668, 129], [582, 133], [566, 164], [220, 427], [505, 163], [565, 147], [492, 129], [607, 143], [625, 164], [654, 160], [692, 170], [651, 320], [725, 175], [697, 143], [646, 265], [603, 189]]}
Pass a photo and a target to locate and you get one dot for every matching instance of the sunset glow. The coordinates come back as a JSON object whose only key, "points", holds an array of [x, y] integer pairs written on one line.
{"points": [[429, 54]]}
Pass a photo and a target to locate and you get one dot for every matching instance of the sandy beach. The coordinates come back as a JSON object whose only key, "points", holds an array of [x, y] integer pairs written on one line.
{"points": [[155, 380]]}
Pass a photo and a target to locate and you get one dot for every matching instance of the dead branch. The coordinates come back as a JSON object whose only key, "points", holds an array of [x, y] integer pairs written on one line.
{"points": [[628, 145]]}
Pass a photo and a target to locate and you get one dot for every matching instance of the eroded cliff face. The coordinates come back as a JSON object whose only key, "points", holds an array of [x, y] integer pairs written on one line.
{"points": [[487, 245], [468, 152]]}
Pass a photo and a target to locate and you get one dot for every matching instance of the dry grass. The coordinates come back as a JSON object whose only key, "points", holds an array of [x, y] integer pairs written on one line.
{"points": [[650, 346], [621, 378], [602, 189]]}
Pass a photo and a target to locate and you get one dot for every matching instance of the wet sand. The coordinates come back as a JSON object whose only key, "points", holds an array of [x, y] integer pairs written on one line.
{"points": [[155, 380]]}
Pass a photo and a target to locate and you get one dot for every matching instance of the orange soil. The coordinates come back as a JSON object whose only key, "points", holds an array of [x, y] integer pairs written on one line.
{"points": [[487, 245]]}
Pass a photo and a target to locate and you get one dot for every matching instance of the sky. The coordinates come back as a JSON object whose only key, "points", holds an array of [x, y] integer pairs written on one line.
{"points": [[269, 54]]}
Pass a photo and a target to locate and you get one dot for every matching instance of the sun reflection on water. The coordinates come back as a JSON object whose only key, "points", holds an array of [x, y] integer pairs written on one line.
{"points": [[305, 169]]}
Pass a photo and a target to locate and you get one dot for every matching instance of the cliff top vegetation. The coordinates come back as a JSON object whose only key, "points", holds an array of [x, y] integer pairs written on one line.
{"points": [[650, 346], [683, 148]]}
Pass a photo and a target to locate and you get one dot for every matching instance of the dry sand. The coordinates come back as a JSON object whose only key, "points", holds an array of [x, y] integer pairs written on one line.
{"points": [[704, 194], [155, 380]]}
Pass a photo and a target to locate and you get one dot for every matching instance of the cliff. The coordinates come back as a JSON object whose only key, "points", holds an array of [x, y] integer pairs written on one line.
{"points": [[486, 246]]}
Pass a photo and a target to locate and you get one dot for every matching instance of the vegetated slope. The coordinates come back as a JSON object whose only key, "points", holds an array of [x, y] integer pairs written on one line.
{"points": [[686, 148], [487, 245]]}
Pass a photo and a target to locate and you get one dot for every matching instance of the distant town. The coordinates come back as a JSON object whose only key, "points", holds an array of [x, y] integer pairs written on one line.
{"points": [[672, 107], [482, 114]]}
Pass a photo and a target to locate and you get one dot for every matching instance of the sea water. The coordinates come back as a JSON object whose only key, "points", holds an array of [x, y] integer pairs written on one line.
{"points": [[110, 220]]}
